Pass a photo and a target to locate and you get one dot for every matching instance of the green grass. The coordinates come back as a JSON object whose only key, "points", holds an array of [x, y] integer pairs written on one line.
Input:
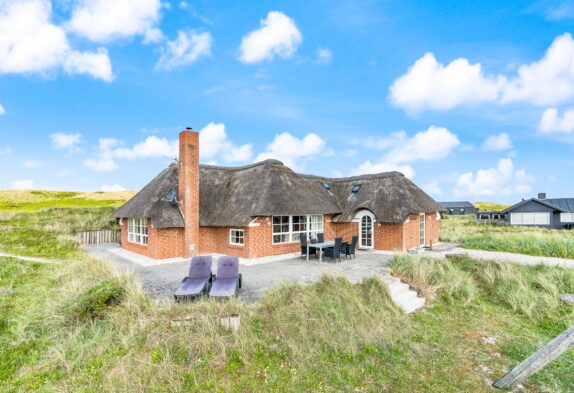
{"points": [[79, 325], [330, 336], [507, 238], [33, 201], [49, 233], [490, 206]]}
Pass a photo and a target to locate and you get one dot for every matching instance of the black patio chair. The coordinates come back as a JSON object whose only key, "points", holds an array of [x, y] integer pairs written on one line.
{"points": [[334, 252], [321, 238], [312, 250], [349, 249]]}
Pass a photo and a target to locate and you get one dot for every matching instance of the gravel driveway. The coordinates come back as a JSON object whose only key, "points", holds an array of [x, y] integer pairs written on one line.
{"points": [[162, 280]]}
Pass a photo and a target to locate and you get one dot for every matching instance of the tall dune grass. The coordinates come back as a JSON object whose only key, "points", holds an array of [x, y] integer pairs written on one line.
{"points": [[507, 238], [531, 291]]}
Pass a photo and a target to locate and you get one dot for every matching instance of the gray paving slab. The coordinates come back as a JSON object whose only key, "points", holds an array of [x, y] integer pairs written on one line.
{"points": [[161, 281]]}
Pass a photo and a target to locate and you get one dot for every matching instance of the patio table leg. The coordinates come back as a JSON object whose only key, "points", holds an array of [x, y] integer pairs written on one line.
{"points": [[307, 253], [320, 254]]}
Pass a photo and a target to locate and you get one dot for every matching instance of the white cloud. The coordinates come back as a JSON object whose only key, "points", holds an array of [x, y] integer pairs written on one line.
{"points": [[23, 185], [185, 49], [105, 161], [429, 85], [277, 36], [292, 150], [433, 144], [548, 81], [30, 43], [152, 146], [502, 180], [5, 151], [498, 142], [433, 188], [2, 110], [324, 56], [368, 168], [103, 164], [31, 164], [63, 141], [552, 122], [214, 143], [106, 20], [112, 188]]}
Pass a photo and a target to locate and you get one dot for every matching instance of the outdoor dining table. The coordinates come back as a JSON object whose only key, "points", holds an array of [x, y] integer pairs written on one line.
{"points": [[320, 246]]}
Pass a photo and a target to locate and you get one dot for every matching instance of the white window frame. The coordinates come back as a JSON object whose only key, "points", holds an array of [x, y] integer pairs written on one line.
{"points": [[422, 229], [137, 230], [237, 234], [530, 218], [311, 227], [567, 217]]}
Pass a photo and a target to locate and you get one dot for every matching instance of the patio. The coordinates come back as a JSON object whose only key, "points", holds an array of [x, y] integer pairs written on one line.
{"points": [[161, 280]]}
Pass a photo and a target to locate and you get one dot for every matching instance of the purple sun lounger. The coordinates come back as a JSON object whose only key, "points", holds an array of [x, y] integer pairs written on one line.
{"points": [[198, 280], [227, 281]]}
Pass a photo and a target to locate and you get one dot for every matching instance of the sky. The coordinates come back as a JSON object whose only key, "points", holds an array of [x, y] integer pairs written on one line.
{"points": [[472, 100]]}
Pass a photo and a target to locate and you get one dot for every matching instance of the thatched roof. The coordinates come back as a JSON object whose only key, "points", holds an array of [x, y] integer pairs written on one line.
{"points": [[150, 202], [390, 196], [235, 196]]}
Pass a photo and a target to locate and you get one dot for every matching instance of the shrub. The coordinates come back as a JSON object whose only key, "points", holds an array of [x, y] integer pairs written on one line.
{"points": [[96, 301]]}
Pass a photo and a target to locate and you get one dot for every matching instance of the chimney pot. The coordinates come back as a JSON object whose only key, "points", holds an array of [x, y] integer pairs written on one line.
{"points": [[541, 195], [188, 128]]}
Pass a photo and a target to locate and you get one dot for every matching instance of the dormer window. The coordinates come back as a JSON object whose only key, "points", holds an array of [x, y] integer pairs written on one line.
{"points": [[356, 188], [326, 185]]}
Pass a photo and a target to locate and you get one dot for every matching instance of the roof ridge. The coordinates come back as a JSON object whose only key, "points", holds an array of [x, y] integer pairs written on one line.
{"points": [[243, 167], [354, 178]]}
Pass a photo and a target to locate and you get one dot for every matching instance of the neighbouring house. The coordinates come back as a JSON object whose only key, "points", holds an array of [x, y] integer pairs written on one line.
{"points": [[452, 208], [544, 212], [490, 216], [260, 210]]}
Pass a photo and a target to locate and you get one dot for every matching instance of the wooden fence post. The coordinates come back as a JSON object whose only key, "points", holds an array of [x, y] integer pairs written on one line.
{"points": [[540, 358]]}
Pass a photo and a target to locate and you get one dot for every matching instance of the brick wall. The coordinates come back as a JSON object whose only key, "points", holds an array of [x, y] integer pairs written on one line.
{"points": [[411, 230], [189, 189], [346, 230], [162, 243], [169, 243], [216, 240], [388, 236]]}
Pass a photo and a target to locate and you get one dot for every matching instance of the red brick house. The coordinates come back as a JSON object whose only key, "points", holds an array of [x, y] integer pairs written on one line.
{"points": [[260, 210]]}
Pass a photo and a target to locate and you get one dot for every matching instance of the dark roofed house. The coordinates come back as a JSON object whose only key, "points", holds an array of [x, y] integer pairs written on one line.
{"points": [[260, 210], [458, 208], [557, 213]]}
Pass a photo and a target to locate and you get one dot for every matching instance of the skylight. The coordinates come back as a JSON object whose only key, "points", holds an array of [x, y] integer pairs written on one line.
{"points": [[356, 188], [326, 185]]}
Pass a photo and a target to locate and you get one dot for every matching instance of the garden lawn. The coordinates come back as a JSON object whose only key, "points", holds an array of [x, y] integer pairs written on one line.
{"points": [[506, 238]]}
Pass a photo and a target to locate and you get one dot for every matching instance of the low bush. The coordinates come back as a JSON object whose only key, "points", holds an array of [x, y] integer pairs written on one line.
{"points": [[98, 300]]}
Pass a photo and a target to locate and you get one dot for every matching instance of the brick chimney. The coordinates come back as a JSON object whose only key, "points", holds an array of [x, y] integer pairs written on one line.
{"points": [[189, 189]]}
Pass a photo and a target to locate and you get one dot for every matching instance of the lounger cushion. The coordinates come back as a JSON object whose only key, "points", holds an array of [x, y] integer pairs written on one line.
{"points": [[191, 287], [224, 287], [200, 267], [227, 267]]}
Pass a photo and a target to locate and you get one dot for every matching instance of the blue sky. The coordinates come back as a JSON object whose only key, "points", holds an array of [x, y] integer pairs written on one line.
{"points": [[472, 100]]}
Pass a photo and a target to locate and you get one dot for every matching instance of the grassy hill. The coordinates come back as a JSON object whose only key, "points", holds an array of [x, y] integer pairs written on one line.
{"points": [[487, 206], [35, 200]]}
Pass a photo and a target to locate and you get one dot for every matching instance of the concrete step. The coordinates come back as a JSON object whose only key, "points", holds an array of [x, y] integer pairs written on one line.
{"points": [[401, 294]]}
